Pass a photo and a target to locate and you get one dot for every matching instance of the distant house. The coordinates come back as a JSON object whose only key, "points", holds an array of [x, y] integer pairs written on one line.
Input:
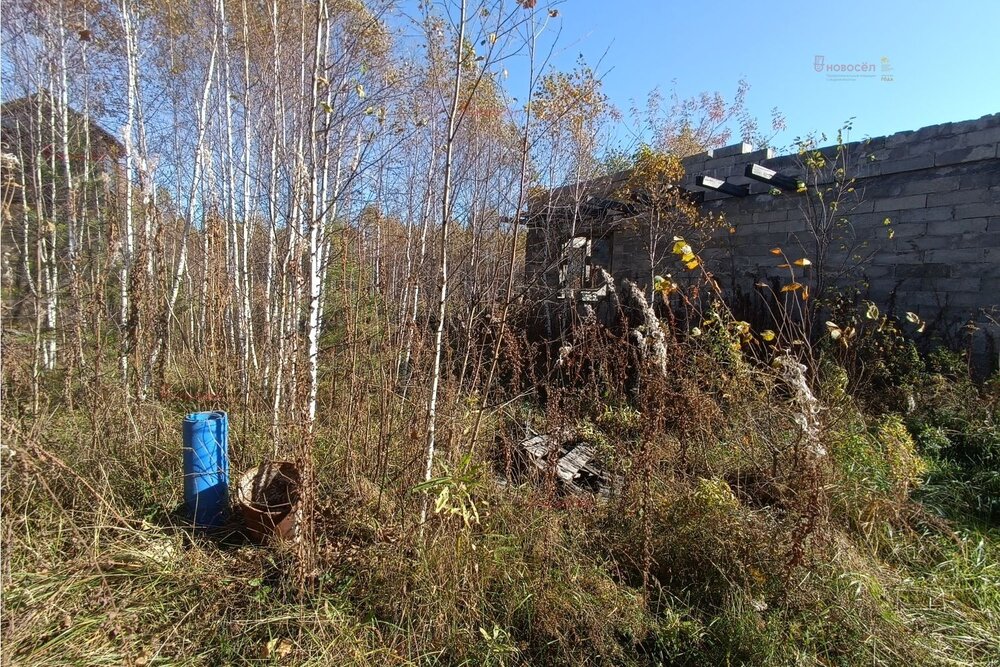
{"points": [[31, 139], [33, 180]]}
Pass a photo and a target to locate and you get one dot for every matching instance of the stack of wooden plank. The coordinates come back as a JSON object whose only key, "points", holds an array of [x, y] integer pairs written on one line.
{"points": [[570, 459]]}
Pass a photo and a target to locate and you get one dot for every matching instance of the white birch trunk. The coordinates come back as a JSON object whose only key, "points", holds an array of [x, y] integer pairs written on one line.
{"points": [[443, 276], [249, 353], [316, 218], [126, 243], [179, 271]]}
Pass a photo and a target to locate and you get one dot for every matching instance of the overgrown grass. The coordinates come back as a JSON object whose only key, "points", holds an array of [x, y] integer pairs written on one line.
{"points": [[723, 544]]}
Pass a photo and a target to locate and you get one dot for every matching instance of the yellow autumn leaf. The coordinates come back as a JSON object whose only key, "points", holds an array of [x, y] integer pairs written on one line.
{"points": [[767, 335], [805, 293], [775, 251], [784, 266], [493, 38], [687, 257], [791, 287], [912, 318], [693, 264], [802, 262], [277, 647], [872, 312]]}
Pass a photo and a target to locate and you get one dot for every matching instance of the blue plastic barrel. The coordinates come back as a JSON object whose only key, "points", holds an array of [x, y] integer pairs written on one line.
{"points": [[206, 467]]}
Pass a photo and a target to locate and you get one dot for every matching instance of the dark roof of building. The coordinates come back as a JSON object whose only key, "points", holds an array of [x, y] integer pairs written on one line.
{"points": [[29, 102]]}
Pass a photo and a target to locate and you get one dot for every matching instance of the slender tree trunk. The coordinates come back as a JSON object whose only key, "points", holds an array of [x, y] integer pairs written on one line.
{"points": [[443, 267], [126, 241], [178, 274]]}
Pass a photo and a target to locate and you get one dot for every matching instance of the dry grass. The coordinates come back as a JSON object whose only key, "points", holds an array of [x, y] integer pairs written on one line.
{"points": [[724, 545]]}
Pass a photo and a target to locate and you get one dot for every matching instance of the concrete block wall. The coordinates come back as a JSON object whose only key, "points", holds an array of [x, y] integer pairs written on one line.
{"points": [[939, 186]]}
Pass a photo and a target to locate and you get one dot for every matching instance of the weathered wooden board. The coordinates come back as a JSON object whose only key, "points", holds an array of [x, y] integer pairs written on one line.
{"points": [[572, 461], [568, 467]]}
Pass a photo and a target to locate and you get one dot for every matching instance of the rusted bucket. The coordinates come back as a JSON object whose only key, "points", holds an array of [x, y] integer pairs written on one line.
{"points": [[266, 497]]}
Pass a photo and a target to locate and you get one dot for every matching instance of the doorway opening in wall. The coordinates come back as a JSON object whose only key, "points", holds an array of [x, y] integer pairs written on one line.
{"points": [[579, 269], [574, 271]]}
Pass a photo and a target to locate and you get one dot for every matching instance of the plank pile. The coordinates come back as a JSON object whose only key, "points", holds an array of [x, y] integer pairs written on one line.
{"points": [[570, 459]]}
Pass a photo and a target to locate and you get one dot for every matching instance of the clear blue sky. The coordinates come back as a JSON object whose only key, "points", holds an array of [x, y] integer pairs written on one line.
{"points": [[945, 57]]}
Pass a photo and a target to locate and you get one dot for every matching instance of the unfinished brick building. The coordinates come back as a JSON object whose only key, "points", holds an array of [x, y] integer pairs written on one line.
{"points": [[939, 254]]}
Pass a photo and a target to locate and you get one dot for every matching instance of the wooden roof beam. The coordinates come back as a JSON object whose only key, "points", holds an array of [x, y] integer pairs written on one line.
{"points": [[761, 173], [722, 186]]}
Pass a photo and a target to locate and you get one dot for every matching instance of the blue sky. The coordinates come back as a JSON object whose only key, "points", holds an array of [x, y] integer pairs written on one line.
{"points": [[945, 57]]}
